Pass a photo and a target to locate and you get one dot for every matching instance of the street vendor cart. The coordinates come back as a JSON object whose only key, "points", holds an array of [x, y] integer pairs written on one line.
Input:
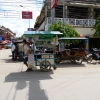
{"points": [[45, 43]]}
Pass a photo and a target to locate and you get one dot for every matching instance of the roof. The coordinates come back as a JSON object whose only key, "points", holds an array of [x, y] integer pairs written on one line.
{"points": [[41, 32], [73, 38]]}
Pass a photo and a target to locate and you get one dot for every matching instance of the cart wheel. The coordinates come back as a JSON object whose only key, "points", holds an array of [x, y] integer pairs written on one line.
{"points": [[78, 59], [89, 60], [45, 66]]}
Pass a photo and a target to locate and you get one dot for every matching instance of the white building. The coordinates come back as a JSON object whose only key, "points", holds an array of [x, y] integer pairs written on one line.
{"points": [[81, 14]]}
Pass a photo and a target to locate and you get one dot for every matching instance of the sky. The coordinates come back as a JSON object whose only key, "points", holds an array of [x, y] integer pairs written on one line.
{"points": [[17, 24]]}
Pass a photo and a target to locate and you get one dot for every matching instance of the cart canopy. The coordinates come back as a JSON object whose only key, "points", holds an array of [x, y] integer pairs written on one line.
{"points": [[73, 38], [41, 33]]}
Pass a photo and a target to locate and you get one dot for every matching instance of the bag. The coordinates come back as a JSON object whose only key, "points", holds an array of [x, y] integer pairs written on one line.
{"points": [[31, 62]]}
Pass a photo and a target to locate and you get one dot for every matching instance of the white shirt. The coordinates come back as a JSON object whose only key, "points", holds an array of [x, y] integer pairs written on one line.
{"points": [[20, 47], [26, 48], [13, 48]]}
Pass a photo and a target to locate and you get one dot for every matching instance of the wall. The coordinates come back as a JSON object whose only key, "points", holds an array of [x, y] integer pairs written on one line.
{"points": [[85, 30]]}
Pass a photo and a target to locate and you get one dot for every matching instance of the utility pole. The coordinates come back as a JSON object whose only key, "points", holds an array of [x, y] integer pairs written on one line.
{"points": [[45, 23], [63, 10], [52, 15]]}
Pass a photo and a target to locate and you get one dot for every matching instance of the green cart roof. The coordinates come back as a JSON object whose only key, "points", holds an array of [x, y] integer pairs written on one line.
{"points": [[73, 38], [48, 34]]}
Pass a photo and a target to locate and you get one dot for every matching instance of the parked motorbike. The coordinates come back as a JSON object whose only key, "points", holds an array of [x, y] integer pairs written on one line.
{"points": [[94, 56]]}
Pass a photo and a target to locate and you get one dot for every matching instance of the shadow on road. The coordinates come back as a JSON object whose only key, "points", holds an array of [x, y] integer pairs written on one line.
{"points": [[94, 63], [69, 64], [10, 61], [30, 80]]}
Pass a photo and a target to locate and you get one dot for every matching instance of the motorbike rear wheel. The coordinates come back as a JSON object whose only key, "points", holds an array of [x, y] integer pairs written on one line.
{"points": [[78, 59]]}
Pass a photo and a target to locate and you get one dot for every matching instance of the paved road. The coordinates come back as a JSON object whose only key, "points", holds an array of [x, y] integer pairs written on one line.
{"points": [[68, 82]]}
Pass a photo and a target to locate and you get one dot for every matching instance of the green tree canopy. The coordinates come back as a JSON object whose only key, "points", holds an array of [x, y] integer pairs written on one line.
{"points": [[97, 27], [67, 30]]}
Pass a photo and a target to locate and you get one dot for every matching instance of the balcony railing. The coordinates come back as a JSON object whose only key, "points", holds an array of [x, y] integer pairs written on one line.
{"points": [[74, 22]]}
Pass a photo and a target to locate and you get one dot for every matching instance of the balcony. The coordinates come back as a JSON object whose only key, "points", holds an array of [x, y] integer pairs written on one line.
{"points": [[74, 22]]}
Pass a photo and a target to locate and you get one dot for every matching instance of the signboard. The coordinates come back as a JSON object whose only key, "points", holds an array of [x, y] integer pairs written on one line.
{"points": [[26, 15], [45, 56], [54, 3]]}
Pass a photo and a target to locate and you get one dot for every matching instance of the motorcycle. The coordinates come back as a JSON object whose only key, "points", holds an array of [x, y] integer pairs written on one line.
{"points": [[94, 56]]}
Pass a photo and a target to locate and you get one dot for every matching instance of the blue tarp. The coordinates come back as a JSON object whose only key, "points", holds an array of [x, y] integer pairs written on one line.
{"points": [[0, 38]]}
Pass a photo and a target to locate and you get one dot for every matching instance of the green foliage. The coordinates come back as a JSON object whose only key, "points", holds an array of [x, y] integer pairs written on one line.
{"points": [[67, 30], [97, 27]]}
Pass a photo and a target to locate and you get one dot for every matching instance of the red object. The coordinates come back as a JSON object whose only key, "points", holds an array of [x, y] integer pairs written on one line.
{"points": [[81, 35], [54, 3], [5, 36], [26, 15], [5, 41]]}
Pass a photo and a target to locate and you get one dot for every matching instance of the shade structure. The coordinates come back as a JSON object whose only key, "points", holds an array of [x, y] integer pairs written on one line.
{"points": [[42, 34], [73, 38]]}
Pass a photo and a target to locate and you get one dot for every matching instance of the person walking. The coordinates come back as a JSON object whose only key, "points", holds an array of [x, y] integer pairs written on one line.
{"points": [[26, 53], [21, 51], [13, 51]]}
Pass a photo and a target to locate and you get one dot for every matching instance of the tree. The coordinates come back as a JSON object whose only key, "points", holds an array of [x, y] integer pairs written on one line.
{"points": [[97, 27], [67, 30]]}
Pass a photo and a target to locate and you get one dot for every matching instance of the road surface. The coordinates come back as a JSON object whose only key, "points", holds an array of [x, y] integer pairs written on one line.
{"points": [[68, 82]]}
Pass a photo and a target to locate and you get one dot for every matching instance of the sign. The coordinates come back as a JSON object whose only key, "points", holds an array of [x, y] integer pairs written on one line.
{"points": [[26, 15], [45, 56], [54, 3]]}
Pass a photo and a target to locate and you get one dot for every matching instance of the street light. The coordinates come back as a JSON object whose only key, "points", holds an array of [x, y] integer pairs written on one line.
{"points": [[28, 11]]}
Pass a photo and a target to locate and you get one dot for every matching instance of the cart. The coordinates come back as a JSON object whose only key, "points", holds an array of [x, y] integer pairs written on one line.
{"points": [[72, 53], [45, 52]]}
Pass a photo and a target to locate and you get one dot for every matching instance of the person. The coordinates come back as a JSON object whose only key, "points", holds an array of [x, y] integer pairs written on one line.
{"points": [[13, 51], [16, 51], [26, 53], [21, 52]]}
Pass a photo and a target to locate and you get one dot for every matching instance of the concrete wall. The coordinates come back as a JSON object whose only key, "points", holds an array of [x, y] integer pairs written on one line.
{"points": [[85, 30]]}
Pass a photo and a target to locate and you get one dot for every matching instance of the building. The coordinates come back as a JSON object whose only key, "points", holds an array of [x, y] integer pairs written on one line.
{"points": [[81, 14], [6, 33]]}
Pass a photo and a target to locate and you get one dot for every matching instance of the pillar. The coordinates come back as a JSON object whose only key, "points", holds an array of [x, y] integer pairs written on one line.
{"points": [[90, 13], [52, 15]]}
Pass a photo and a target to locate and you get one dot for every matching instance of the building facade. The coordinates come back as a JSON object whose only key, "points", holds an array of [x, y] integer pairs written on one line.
{"points": [[6, 34], [80, 14]]}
